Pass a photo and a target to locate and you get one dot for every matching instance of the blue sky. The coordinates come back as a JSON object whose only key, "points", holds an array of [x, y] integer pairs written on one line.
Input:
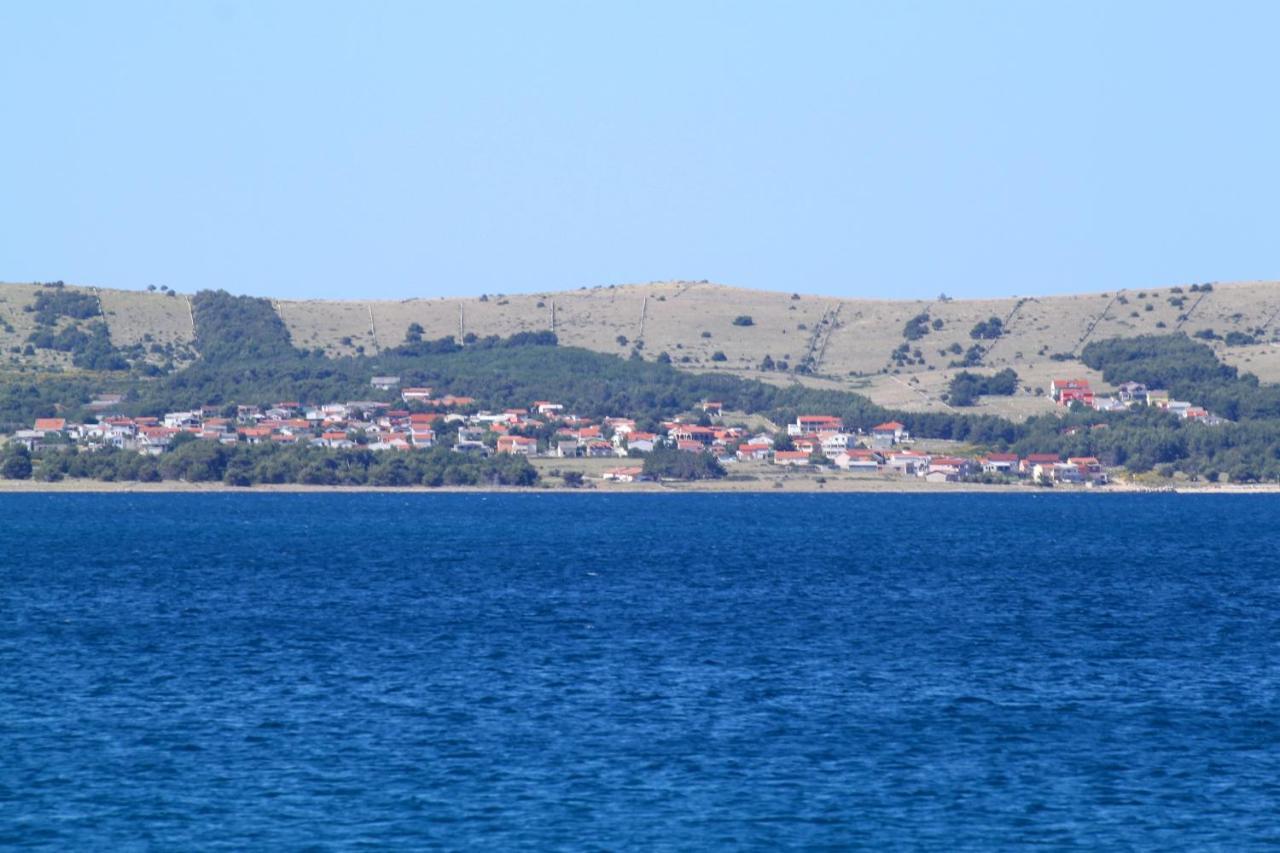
{"points": [[413, 149]]}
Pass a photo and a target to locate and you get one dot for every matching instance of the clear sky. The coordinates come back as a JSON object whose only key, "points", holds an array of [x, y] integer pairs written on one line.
{"points": [[884, 149]]}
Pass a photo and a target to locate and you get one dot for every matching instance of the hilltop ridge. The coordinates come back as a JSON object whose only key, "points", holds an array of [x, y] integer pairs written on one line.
{"points": [[900, 353]]}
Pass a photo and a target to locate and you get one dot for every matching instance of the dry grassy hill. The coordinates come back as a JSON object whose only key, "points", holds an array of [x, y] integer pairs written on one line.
{"points": [[849, 342]]}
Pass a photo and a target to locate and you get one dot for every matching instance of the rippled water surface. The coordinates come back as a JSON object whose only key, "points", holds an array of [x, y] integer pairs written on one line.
{"points": [[644, 671]]}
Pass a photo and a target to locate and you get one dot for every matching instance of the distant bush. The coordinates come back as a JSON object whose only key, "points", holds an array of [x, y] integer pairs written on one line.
{"points": [[916, 328], [743, 320], [1240, 339], [988, 330]]}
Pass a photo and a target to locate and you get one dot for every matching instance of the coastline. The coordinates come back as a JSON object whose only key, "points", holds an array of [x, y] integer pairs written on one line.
{"points": [[856, 485]]}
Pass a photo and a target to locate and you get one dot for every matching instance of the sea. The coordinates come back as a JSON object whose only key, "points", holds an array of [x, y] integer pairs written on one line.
{"points": [[267, 671]]}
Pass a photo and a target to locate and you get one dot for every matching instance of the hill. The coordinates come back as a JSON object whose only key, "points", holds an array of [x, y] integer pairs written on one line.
{"points": [[900, 354]]}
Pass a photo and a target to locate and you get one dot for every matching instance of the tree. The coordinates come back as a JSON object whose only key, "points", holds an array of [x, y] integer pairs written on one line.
{"points": [[16, 464], [988, 330], [743, 320], [682, 465], [413, 335]]}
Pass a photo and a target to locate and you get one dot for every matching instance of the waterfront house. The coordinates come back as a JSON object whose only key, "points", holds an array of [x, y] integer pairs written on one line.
{"points": [[791, 457], [1027, 466], [1000, 463], [631, 474], [858, 459], [907, 462]]}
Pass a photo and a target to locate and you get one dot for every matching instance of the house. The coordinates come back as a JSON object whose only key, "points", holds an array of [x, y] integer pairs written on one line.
{"points": [[791, 457], [31, 439], [1157, 398], [45, 426], [259, 434], [1065, 472], [517, 445], [907, 462], [713, 408], [1132, 392], [641, 442], [690, 446], [336, 438], [1000, 463], [620, 426], [106, 401], [834, 442], [155, 439], [754, 451], [632, 474], [470, 446], [1089, 467], [422, 395], [807, 445], [566, 448], [890, 433], [182, 420], [951, 467], [858, 459], [422, 436], [1066, 391], [690, 432], [1027, 466], [809, 424], [384, 383], [1109, 404], [1067, 396]]}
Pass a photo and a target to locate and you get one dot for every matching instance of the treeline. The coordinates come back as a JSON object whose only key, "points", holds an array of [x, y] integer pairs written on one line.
{"points": [[247, 465]]}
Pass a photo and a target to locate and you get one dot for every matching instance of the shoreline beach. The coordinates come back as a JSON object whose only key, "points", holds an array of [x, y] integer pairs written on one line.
{"points": [[781, 486]]}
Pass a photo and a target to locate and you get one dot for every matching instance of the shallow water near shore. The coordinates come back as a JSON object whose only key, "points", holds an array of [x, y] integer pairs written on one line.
{"points": [[933, 671]]}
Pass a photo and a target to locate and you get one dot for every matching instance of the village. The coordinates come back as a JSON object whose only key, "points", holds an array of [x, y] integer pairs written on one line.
{"points": [[544, 430], [1065, 392]]}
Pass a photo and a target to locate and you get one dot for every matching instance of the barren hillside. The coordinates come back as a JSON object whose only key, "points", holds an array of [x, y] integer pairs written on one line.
{"points": [[843, 343]]}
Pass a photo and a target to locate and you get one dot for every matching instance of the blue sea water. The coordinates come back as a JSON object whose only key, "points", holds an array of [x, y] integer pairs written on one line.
{"points": [[524, 671]]}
